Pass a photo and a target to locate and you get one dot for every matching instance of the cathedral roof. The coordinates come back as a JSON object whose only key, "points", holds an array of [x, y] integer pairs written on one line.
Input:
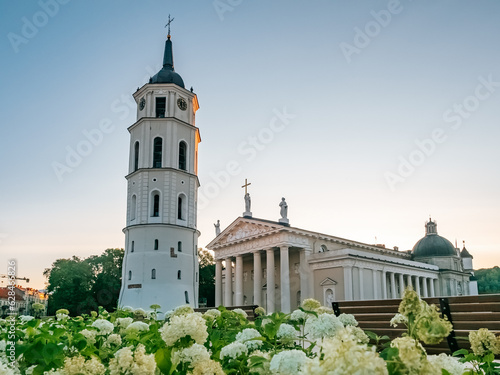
{"points": [[433, 245], [167, 73], [465, 253]]}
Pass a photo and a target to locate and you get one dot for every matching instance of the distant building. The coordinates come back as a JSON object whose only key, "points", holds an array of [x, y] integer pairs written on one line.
{"points": [[23, 299], [255, 252]]}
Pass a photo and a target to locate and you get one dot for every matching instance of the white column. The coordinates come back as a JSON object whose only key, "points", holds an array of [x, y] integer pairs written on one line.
{"points": [[257, 278], [393, 285], [361, 284], [228, 286], [218, 282], [424, 284], [384, 284], [409, 281], [270, 280], [238, 278], [401, 285], [305, 275], [417, 284], [285, 279], [433, 290], [348, 283], [375, 285]]}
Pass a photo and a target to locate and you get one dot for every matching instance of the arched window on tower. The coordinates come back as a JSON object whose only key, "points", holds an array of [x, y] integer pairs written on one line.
{"points": [[156, 205], [133, 207], [130, 275], [136, 156], [182, 155], [181, 207], [157, 152], [153, 273], [186, 296], [179, 275], [179, 247], [157, 244], [132, 246]]}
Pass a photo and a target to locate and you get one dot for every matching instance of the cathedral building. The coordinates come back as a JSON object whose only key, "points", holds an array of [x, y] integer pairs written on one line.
{"points": [[161, 240], [262, 262], [275, 265]]}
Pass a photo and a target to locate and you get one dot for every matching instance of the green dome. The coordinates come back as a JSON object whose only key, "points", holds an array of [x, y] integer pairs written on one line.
{"points": [[433, 245]]}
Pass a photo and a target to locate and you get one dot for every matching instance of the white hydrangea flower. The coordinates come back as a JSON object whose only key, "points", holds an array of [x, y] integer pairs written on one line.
{"points": [[5, 369], [25, 318], [411, 353], [113, 339], [62, 317], [348, 320], [324, 310], [123, 322], [3, 345], [240, 312], [126, 362], [299, 315], [352, 333], [345, 356], [192, 356], [246, 337], [137, 327], [128, 309], [212, 314], [105, 327], [286, 333], [89, 335], [78, 365], [192, 325], [183, 310], [325, 325], [398, 318], [233, 350], [288, 362], [140, 313], [448, 363]]}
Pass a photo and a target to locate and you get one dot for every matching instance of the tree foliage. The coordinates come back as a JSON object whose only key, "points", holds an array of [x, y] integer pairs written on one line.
{"points": [[488, 280], [81, 285], [207, 277]]}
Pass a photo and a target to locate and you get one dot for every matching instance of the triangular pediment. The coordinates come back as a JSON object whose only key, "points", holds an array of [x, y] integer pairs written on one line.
{"points": [[244, 229], [328, 281]]}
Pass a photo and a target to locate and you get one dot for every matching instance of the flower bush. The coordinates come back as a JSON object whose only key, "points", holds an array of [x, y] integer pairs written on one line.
{"points": [[310, 340]]}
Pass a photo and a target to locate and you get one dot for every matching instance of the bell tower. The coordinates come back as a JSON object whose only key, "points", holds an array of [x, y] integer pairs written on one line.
{"points": [[161, 240]]}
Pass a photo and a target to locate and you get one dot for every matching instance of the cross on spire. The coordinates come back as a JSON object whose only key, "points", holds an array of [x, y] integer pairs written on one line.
{"points": [[168, 24], [246, 185]]}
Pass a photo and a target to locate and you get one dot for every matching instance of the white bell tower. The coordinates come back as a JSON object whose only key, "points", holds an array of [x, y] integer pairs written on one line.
{"points": [[161, 240]]}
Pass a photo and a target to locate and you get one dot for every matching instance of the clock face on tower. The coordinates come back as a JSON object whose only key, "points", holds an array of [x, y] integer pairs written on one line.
{"points": [[142, 104], [181, 103]]}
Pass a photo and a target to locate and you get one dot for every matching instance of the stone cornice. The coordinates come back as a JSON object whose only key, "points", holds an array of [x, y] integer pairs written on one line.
{"points": [[297, 237], [380, 265]]}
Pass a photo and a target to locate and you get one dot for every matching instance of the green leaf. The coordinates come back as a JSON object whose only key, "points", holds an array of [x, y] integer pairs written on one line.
{"points": [[162, 358]]}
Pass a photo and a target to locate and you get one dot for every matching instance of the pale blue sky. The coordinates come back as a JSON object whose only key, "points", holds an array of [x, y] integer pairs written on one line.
{"points": [[353, 120]]}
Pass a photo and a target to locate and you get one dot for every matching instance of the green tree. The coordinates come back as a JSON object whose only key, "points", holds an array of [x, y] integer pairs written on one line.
{"points": [[488, 280], [70, 281], [81, 285], [207, 277], [107, 269]]}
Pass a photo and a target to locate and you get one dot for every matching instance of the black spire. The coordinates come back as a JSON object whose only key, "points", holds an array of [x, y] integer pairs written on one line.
{"points": [[168, 55], [167, 74]]}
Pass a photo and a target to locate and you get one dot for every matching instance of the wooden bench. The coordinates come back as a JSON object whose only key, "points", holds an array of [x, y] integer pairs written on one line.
{"points": [[249, 309], [467, 313]]}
